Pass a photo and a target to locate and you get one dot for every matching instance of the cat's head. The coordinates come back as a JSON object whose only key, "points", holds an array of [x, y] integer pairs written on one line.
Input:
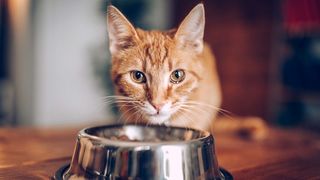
{"points": [[156, 71]]}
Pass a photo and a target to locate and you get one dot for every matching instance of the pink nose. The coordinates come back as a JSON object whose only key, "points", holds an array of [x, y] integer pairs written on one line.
{"points": [[157, 107]]}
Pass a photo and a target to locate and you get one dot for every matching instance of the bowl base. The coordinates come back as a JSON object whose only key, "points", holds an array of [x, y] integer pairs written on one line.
{"points": [[59, 173]]}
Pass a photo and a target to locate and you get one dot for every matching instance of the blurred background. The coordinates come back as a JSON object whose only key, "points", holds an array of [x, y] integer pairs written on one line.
{"points": [[54, 58]]}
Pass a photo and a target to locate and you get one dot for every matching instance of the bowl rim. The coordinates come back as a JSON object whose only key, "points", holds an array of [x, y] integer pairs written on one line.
{"points": [[207, 136]]}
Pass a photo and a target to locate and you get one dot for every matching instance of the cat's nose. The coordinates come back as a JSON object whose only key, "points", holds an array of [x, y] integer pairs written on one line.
{"points": [[157, 107]]}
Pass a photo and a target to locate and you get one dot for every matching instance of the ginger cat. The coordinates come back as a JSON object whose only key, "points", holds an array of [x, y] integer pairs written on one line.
{"points": [[164, 77]]}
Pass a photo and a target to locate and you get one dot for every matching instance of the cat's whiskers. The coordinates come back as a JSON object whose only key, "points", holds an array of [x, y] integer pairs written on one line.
{"points": [[190, 112], [180, 113], [137, 110], [183, 114], [118, 103], [117, 97], [148, 123], [208, 106], [121, 102], [124, 113], [193, 109], [141, 114]]}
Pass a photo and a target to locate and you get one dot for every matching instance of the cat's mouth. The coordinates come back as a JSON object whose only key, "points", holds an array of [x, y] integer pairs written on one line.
{"points": [[157, 115], [158, 118]]}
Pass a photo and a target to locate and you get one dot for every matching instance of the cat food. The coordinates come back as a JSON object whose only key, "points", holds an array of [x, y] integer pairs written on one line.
{"points": [[121, 138]]}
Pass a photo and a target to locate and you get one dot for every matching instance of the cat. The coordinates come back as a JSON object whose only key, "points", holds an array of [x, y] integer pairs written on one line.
{"points": [[164, 77]]}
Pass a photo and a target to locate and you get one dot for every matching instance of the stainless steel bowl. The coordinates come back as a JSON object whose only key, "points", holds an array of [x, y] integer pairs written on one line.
{"points": [[143, 152]]}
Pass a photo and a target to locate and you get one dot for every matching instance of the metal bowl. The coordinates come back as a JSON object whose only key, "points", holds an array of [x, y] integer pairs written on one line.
{"points": [[144, 152]]}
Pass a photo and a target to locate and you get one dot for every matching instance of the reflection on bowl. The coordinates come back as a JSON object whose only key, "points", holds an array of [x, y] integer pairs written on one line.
{"points": [[143, 152]]}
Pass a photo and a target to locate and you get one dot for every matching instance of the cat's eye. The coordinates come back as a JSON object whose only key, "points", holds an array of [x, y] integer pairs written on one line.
{"points": [[177, 76], [138, 76]]}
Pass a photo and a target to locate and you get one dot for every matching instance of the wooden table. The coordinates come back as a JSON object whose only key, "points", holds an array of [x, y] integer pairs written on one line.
{"points": [[31, 153]]}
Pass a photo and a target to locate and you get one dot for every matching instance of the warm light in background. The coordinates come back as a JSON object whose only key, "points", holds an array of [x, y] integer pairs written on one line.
{"points": [[18, 12]]}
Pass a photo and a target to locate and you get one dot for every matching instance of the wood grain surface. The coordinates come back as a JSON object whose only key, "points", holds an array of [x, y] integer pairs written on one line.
{"points": [[31, 153]]}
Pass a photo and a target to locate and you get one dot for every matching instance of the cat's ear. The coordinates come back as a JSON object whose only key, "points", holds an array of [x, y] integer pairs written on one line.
{"points": [[191, 30], [121, 32]]}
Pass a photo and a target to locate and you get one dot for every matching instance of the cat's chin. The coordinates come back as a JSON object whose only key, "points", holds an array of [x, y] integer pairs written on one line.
{"points": [[158, 119]]}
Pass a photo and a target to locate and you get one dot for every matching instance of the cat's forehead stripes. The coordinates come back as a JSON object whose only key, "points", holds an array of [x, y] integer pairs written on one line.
{"points": [[155, 53], [155, 46]]}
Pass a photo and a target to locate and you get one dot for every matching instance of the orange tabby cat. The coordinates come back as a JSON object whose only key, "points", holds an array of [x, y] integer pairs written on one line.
{"points": [[164, 77]]}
